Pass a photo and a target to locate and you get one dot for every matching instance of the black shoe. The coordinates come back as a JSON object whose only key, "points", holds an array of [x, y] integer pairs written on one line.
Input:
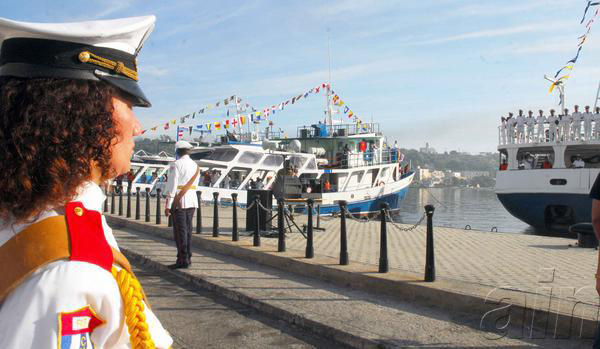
{"points": [[177, 266]]}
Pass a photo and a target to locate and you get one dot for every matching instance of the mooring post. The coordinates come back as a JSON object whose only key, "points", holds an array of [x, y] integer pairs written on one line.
{"points": [[170, 219], [383, 252], [158, 214], [256, 240], [319, 216], [199, 213], [128, 213], [216, 214], [147, 205], [112, 201], [121, 201], [234, 226], [343, 236], [310, 251], [106, 199], [137, 203], [429, 257], [280, 226]]}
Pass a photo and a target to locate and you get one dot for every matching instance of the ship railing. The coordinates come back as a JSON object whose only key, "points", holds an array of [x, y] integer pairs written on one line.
{"points": [[543, 133], [342, 130], [368, 158]]}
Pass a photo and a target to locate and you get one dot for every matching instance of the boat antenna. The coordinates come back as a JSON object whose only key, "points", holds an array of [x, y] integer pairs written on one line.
{"points": [[329, 120], [597, 96]]}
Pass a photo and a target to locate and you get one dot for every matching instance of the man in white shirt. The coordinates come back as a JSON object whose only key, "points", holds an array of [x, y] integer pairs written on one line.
{"points": [[565, 126], [510, 128], [576, 118], [503, 125], [540, 121], [578, 162], [530, 121], [182, 201], [520, 127], [552, 126], [587, 123]]}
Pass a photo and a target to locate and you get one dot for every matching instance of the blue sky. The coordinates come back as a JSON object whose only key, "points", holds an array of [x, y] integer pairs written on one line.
{"points": [[438, 71]]}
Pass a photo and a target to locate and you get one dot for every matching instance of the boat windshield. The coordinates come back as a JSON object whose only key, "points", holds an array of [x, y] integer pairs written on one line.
{"points": [[223, 154], [250, 157]]}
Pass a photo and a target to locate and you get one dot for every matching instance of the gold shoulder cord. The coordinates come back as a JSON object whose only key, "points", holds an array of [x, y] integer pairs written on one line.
{"points": [[133, 306], [117, 67]]}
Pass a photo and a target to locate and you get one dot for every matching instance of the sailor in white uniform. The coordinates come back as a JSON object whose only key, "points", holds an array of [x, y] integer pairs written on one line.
{"points": [[577, 118], [552, 126], [510, 120], [64, 283], [503, 124], [182, 201], [530, 121], [587, 123], [565, 125], [540, 121], [520, 127]]}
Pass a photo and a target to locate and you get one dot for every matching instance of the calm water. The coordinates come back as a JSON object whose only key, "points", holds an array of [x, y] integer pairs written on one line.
{"points": [[458, 207]]}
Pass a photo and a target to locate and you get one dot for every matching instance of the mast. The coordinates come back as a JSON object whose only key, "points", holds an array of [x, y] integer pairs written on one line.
{"points": [[329, 119], [597, 95]]}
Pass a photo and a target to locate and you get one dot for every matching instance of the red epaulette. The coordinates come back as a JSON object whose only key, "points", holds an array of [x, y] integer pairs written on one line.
{"points": [[88, 243]]}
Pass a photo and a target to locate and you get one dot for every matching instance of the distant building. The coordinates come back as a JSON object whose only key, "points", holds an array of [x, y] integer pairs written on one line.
{"points": [[473, 174], [427, 149]]}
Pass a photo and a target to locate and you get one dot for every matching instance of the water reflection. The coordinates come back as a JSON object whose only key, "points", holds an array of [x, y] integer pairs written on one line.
{"points": [[458, 207]]}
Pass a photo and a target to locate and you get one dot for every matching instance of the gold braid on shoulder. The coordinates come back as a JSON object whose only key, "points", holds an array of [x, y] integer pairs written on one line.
{"points": [[133, 304]]}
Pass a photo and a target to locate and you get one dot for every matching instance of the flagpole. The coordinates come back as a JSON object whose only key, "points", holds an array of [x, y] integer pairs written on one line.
{"points": [[329, 120]]}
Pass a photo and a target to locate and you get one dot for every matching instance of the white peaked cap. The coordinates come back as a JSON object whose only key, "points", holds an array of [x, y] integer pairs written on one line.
{"points": [[183, 145], [123, 34], [104, 50]]}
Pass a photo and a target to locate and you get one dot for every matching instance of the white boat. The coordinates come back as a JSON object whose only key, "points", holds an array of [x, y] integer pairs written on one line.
{"points": [[539, 183], [364, 178]]}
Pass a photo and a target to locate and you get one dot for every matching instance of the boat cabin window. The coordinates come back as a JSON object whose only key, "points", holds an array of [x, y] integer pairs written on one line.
{"points": [[237, 176], [150, 174], [250, 157], [261, 179], [200, 155], [540, 159], [223, 154], [273, 160]]}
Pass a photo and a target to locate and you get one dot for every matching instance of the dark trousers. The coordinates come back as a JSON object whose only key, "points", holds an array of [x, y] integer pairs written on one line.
{"points": [[182, 230]]}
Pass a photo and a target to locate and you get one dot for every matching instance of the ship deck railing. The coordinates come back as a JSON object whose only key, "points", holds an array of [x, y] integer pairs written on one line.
{"points": [[368, 158], [543, 136], [341, 130]]}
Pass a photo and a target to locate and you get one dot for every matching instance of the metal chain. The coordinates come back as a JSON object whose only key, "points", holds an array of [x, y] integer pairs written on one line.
{"points": [[366, 219], [412, 227], [248, 207]]}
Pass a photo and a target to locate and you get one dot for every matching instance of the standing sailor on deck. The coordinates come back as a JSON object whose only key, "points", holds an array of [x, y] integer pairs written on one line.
{"points": [[520, 127], [530, 126], [587, 123], [540, 121], [577, 118], [67, 127], [182, 201], [511, 128], [565, 125], [552, 126], [503, 124]]}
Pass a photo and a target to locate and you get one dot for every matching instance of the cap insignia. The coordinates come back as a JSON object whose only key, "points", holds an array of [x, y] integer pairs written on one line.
{"points": [[118, 67]]}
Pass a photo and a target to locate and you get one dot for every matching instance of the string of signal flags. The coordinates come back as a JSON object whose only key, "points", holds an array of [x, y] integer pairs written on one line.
{"points": [[255, 116], [568, 67]]}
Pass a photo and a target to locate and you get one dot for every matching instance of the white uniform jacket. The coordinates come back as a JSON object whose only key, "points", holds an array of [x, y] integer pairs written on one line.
{"points": [[69, 304], [180, 172]]}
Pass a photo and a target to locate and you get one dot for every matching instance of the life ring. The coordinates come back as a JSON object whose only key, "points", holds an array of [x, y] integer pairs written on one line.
{"points": [[381, 183]]}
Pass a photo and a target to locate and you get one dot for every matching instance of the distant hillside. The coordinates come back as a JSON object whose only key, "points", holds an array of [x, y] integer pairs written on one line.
{"points": [[452, 161]]}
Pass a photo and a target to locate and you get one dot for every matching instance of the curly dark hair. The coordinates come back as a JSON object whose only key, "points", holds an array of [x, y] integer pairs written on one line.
{"points": [[51, 131]]}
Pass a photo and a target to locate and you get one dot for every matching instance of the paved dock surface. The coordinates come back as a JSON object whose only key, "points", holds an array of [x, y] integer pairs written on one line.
{"points": [[197, 318], [516, 261], [347, 316]]}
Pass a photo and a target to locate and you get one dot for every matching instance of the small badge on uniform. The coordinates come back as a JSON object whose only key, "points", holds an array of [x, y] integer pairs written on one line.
{"points": [[75, 328]]}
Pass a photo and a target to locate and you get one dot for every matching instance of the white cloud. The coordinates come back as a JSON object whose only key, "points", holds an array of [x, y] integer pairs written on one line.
{"points": [[155, 71], [484, 9]]}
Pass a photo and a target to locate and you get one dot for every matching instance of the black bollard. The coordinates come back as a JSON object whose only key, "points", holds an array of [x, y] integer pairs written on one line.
{"points": [[280, 226], [310, 251], [343, 237], [121, 202], [383, 255], [170, 220], [199, 213], [137, 203], [429, 256], [256, 240], [234, 229], [147, 204], [318, 216], [112, 201], [128, 213], [216, 215], [106, 201], [158, 214]]}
